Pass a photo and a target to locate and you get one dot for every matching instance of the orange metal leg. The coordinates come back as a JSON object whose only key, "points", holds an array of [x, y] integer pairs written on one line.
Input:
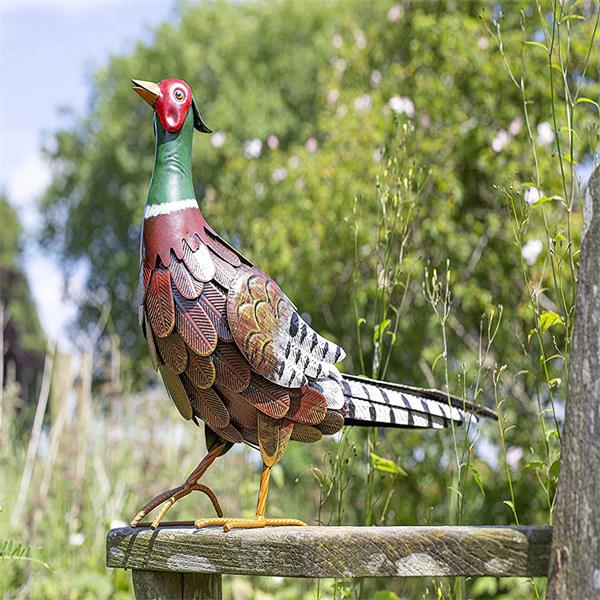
{"points": [[169, 497]]}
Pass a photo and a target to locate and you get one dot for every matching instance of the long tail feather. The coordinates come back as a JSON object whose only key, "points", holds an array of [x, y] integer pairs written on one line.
{"points": [[377, 403]]}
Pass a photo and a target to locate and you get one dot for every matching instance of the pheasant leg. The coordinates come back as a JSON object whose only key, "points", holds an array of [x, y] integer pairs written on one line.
{"points": [[253, 522], [169, 497]]}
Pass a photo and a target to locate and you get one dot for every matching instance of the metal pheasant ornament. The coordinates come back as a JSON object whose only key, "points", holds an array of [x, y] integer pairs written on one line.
{"points": [[231, 348]]}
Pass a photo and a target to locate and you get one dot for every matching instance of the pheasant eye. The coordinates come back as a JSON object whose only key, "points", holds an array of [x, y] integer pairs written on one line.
{"points": [[179, 95]]}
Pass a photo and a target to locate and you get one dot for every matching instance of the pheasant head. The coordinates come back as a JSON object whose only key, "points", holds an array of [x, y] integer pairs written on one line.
{"points": [[171, 100]]}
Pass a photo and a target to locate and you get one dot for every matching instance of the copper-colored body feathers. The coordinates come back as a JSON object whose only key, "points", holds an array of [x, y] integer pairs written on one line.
{"points": [[218, 330], [159, 303]]}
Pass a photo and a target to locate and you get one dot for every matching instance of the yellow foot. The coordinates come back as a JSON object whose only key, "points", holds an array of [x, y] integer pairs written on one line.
{"points": [[248, 523]]}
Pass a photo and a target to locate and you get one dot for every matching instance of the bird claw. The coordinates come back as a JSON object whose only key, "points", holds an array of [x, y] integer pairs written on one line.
{"points": [[168, 499], [247, 523]]}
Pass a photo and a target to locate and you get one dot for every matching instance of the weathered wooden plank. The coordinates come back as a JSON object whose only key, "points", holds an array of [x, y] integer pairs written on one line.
{"points": [[575, 569], [161, 585], [336, 551]]}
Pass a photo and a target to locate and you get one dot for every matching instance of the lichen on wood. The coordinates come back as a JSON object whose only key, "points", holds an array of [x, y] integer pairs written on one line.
{"points": [[336, 551]]}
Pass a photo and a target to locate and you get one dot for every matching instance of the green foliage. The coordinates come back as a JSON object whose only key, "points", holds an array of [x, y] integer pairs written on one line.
{"points": [[14, 292], [23, 336], [10, 550]]}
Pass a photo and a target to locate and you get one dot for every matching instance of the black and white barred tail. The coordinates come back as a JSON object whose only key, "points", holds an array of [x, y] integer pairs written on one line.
{"points": [[373, 403]]}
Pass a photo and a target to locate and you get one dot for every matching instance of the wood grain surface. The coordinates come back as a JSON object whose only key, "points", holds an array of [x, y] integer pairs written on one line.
{"points": [[155, 585], [575, 569], [336, 551]]}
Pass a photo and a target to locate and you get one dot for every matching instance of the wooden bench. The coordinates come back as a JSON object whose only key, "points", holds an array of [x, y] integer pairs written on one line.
{"points": [[187, 563]]}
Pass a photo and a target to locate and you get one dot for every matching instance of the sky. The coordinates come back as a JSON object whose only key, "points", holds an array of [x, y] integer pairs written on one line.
{"points": [[48, 51]]}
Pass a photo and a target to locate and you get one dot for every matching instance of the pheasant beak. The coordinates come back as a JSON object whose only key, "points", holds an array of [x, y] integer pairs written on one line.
{"points": [[147, 90]]}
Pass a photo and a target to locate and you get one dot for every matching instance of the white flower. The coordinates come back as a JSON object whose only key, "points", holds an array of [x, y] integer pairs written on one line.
{"points": [[279, 174], [76, 538], [402, 105], [383, 280], [293, 161], [532, 195], [513, 455], [375, 78], [332, 96], [545, 134], [515, 126], [217, 139], [419, 454], [483, 43], [378, 153], [339, 64], [425, 121], [311, 144], [273, 142], [499, 142], [117, 524], [395, 13], [253, 148], [531, 250], [259, 189], [337, 41], [299, 185], [362, 103], [361, 40]]}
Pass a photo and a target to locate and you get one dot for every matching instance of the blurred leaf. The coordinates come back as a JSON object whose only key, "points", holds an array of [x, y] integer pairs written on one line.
{"points": [[539, 45], [535, 464], [485, 586], [477, 478], [385, 465], [549, 319], [455, 490], [380, 329], [545, 199], [588, 101], [555, 382]]}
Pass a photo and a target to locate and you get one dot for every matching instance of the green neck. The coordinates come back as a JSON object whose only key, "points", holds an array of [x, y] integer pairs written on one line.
{"points": [[172, 172]]}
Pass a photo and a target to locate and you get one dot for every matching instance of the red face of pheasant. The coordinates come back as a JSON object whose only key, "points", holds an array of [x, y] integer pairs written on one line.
{"points": [[171, 99], [173, 104]]}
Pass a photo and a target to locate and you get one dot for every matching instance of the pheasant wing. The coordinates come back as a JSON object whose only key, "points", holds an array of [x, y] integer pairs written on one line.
{"points": [[274, 338], [230, 346]]}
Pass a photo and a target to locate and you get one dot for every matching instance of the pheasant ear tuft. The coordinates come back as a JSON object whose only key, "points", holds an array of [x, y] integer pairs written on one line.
{"points": [[199, 124]]}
